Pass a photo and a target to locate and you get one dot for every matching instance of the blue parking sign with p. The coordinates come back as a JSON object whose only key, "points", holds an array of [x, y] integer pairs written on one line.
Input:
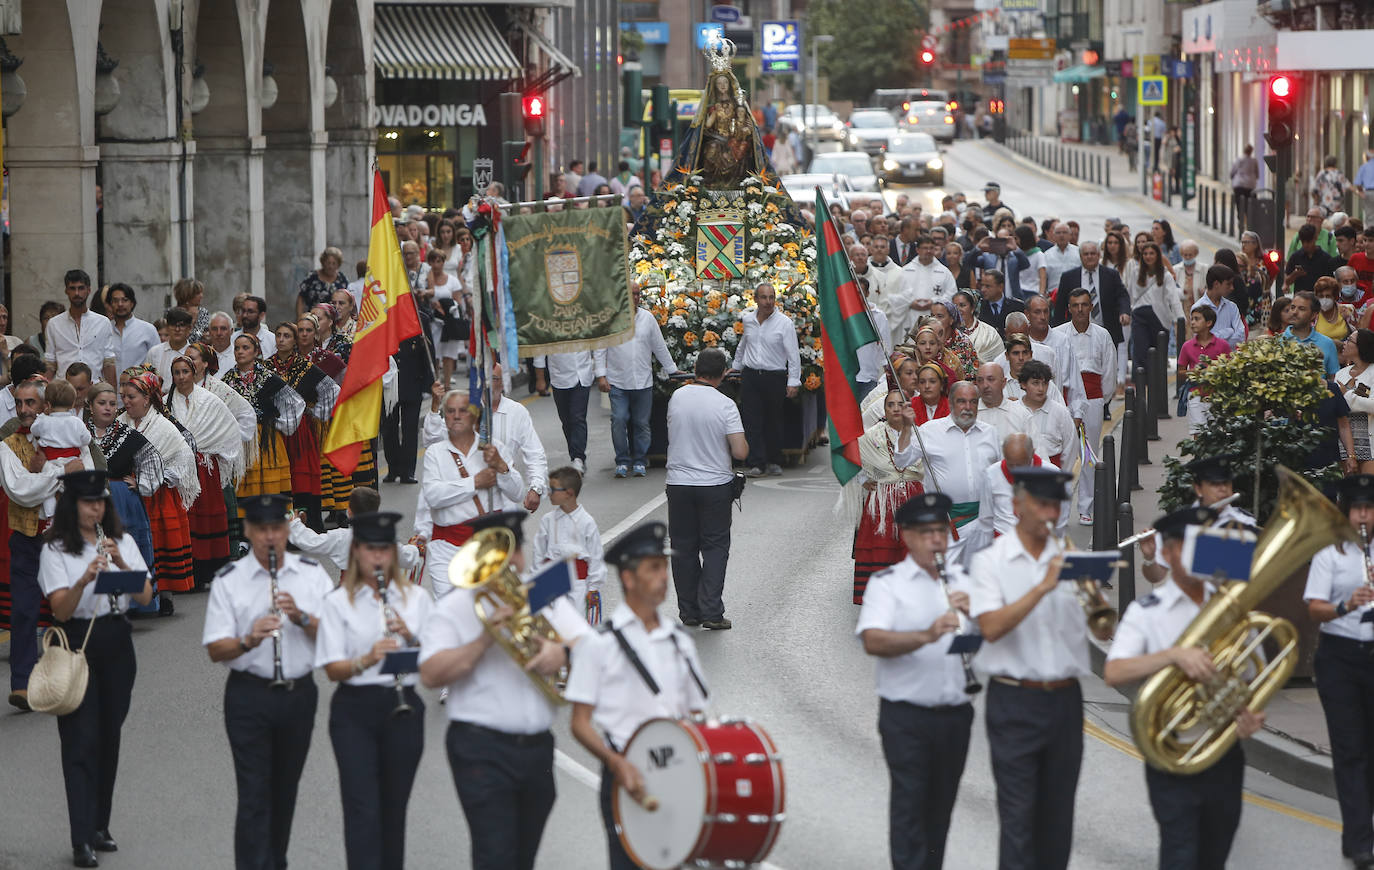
{"points": [[781, 46]]}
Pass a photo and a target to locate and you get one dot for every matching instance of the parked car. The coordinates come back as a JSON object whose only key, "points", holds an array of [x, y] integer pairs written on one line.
{"points": [[870, 130], [819, 120], [913, 157], [934, 118], [802, 186], [854, 166]]}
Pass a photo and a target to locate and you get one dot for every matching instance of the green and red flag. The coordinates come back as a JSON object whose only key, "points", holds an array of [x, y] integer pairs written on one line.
{"points": [[845, 327]]}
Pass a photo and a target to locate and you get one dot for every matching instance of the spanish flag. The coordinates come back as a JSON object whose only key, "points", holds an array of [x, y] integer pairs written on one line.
{"points": [[387, 317]]}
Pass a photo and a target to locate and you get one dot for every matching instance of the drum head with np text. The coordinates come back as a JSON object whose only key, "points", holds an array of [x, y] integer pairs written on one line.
{"points": [[667, 756]]}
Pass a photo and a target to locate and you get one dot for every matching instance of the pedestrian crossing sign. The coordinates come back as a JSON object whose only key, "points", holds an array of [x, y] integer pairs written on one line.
{"points": [[1153, 90]]}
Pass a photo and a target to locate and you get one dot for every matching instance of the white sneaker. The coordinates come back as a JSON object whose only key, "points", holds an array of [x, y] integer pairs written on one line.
{"points": [[580, 466]]}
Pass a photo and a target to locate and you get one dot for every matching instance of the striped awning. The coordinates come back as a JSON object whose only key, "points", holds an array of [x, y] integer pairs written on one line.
{"points": [[441, 42]]}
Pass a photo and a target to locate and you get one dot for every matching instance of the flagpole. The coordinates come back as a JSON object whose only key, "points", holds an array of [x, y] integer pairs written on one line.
{"points": [[887, 360]]}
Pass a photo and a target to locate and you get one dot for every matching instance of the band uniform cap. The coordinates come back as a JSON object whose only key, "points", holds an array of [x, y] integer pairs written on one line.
{"points": [[377, 527], [1172, 525], [928, 507], [1041, 482], [1357, 489], [265, 508], [992, 185], [513, 520], [86, 484], [648, 539], [1214, 469]]}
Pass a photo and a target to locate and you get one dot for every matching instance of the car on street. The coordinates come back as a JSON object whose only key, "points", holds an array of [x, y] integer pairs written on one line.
{"points": [[870, 130], [819, 120], [913, 157], [855, 167], [931, 117], [802, 186]]}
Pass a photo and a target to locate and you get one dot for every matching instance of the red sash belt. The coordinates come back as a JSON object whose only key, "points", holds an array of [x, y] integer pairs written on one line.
{"points": [[1058, 460], [61, 452], [581, 568], [1092, 385], [457, 535]]}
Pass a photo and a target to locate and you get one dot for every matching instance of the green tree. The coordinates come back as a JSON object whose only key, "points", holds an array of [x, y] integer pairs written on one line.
{"points": [[875, 44]]}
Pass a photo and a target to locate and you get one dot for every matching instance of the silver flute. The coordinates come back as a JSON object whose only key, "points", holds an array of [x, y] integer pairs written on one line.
{"points": [[971, 684], [279, 680], [402, 708]]}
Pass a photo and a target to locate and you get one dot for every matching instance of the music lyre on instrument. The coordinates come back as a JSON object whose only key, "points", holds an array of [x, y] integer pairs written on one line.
{"points": [[1102, 617], [279, 680], [971, 684], [402, 708]]}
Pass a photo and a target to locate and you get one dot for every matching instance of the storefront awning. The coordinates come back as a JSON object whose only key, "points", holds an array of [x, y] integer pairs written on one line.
{"points": [[1080, 73], [441, 42]]}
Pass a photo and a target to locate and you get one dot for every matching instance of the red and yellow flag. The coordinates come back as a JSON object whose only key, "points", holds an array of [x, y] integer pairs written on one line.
{"points": [[387, 317]]}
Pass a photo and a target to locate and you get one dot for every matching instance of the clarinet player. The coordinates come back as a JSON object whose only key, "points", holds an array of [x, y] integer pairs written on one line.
{"points": [[86, 538], [376, 720], [270, 696]]}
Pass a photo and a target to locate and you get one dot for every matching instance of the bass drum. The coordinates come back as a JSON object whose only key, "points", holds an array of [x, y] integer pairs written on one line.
{"points": [[719, 790]]}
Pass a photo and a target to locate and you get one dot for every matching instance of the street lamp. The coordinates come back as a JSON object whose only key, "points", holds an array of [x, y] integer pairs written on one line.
{"points": [[819, 39]]}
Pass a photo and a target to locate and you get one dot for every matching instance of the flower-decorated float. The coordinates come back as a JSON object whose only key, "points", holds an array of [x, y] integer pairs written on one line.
{"points": [[720, 226]]}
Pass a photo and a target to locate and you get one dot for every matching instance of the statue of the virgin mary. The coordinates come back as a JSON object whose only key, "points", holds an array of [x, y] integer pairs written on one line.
{"points": [[723, 145]]}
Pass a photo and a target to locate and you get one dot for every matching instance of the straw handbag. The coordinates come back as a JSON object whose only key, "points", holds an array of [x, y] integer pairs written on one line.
{"points": [[58, 682]]}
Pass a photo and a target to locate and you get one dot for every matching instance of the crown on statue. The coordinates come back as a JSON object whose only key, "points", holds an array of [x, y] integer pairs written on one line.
{"points": [[719, 52]]}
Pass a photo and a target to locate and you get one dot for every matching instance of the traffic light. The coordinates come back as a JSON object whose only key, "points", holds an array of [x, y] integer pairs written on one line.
{"points": [[927, 57], [533, 107], [1282, 113], [632, 83], [662, 107], [996, 106]]}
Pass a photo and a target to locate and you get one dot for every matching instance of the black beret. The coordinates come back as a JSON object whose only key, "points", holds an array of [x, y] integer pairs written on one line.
{"points": [[1357, 489], [1214, 469], [86, 484], [266, 508]]}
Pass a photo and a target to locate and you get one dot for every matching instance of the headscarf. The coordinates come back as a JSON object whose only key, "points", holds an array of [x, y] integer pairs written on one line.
{"points": [[178, 460], [147, 381], [212, 425], [208, 354]]}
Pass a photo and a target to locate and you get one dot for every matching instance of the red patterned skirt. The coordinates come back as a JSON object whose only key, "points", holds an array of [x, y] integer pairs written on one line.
{"points": [[209, 521], [875, 550], [303, 452], [171, 525]]}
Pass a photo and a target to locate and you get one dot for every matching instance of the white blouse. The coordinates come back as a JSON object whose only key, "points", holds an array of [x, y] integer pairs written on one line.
{"points": [[58, 569], [348, 629]]}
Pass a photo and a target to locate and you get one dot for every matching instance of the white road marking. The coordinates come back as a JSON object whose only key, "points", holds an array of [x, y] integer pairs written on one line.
{"points": [[625, 525]]}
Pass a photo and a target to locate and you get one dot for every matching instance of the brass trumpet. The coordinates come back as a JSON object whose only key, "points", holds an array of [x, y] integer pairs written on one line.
{"points": [[483, 565], [1101, 615]]}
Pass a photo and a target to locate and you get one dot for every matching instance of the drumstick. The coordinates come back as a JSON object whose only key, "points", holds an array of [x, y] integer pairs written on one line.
{"points": [[649, 803]]}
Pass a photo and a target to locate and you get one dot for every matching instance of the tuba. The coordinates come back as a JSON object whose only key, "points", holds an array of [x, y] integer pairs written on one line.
{"points": [[1184, 727], [483, 566]]}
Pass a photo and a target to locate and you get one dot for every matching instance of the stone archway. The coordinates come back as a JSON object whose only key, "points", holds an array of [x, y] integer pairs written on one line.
{"points": [[352, 137]]}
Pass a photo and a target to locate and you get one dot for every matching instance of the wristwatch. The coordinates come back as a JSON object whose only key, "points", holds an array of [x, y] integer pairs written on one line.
{"points": [[304, 621], [243, 646], [1341, 609]]}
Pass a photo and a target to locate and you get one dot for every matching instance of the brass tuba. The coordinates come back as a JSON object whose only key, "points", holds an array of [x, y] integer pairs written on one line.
{"points": [[1184, 727], [483, 565]]}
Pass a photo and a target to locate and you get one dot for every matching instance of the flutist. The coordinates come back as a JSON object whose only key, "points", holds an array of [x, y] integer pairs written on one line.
{"points": [[908, 623], [1213, 483], [376, 720], [1035, 649], [1340, 588], [269, 700]]}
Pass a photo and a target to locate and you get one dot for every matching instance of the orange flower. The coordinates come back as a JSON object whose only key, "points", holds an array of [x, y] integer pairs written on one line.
{"points": [[710, 338], [816, 343], [689, 339], [739, 327], [813, 382]]}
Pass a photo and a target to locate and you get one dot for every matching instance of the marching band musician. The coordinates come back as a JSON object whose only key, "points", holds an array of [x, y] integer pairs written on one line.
{"points": [[67, 570], [499, 744], [269, 723], [1197, 814], [636, 667], [1035, 650], [1213, 481], [1345, 685], [462, 480], [377, 750], [924, 713]]}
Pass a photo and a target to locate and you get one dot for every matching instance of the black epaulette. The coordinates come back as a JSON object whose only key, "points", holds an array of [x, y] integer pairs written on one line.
{"points": [[306, 560], [1148, 601], [604, 628], [226, 568]]}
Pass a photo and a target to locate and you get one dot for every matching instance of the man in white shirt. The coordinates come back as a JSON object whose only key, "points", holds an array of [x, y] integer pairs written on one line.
{"points": [[769, 362], [924, 281], [571, 375], [251, 322], [996, 513], [878, 280], [873, 356], [1063, 362], [626, 372], [220, 335], [1095, 353], [133, 338], [161, 355], [704, 434], [1229, 327], [80, 335], [1062, 256], [1019, 351], [1052, 429], [1008, 416]]}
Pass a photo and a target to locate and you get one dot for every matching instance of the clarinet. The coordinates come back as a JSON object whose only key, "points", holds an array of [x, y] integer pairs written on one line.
{"points": [[279, 680], [402, 708], [971, 684]]}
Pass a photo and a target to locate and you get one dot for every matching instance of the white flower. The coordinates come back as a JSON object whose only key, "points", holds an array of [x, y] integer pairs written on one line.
{"points": [[677, 321], [755, 208], [757, 246]]}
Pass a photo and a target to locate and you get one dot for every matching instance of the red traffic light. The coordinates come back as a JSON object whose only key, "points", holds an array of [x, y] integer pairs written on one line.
{"points": [[996, 106], [1280, 86], [533, 106], [927, 57]]}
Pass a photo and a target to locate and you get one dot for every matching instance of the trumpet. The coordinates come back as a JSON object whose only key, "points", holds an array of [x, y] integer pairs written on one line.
{"points": [[402, 708], [971, 684], [279, 680], [1101, 615], [1140, 536]]}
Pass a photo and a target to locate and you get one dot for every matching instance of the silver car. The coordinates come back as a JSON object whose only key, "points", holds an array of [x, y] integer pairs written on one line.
{"points": [[934, 118], [870, 130], [913, 157], [819, 120]]}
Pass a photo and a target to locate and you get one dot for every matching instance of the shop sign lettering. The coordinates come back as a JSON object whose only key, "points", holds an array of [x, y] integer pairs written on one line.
{"points": [[451, 115]]}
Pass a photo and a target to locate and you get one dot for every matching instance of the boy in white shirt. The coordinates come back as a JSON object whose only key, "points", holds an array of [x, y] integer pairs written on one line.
{"points": [[335, 543], [58, 432], [569, 532]]}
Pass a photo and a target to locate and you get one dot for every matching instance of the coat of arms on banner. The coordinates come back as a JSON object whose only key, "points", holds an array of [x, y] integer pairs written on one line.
{"points": [[564, 269], [720, 246]]}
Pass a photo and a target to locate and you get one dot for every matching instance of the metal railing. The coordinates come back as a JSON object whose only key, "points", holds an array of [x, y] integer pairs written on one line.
{"points": [[1074, 161]]}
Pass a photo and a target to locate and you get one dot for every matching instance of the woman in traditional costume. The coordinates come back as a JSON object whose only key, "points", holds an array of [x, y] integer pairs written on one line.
{"points": [[279, 410], [885, 486]]}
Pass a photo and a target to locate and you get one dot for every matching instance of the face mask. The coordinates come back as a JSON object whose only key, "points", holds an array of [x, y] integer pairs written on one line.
{"points": [[1349, 290], [1328, 303], [1189, 262]]}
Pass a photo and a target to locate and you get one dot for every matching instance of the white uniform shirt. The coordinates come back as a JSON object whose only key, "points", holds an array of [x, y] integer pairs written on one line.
{"points": [[1054, 434], [699, 419], [449, 494], [241, 594], [629, 366], [335, 544], [1093, 351], [512, 426], [1333, 577], [568, 370], [497, 693], [603, 677], [906, 598], [1057, 262], [132, 345], [770, 346], [160, 358], [1051, 643], [996, 512], [348, 629], [1155, 622], [263, 335], [956, 459], [1009, 418], [226, 359], [58, 569], [564, 535], [91, 343]]}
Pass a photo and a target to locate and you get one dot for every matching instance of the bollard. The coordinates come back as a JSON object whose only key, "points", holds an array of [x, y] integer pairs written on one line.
{"points": [[1109, 173], [1123, 470], [1101, 531], [1202, 209], [1159, 385], [1141, 381], [1230, 200], [1145, 397], [1107, 497], [1125, 592]]}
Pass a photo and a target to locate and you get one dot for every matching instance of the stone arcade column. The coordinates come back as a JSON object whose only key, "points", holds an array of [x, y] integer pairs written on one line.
{"points": [[293, 167], [143, 218], [348, 215], [52, 226], [229, 217]]}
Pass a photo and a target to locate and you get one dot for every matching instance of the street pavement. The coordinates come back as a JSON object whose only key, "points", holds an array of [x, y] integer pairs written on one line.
{"points": [[791, 663]]}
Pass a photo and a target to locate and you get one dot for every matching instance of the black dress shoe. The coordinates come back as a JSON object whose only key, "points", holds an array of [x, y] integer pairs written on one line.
{"points": [[1363, 861], [165, 607], [409, 480], [691, 623], [103, 842], [391, 478], [84, 856]]}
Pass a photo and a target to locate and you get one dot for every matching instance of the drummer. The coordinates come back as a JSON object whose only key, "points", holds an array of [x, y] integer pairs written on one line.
{"points": [[1213, 481], [636, 667]]}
